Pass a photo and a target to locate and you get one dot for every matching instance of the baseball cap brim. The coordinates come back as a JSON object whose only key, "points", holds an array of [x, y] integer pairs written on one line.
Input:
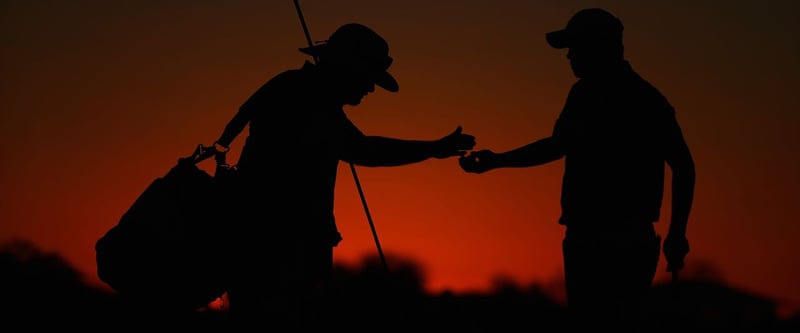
{"points": [[594, 25], [558, 39], [387, 81]]}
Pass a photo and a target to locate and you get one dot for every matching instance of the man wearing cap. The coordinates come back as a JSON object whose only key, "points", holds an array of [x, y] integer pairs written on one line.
{"points": [[284, 234], [616, 132]]}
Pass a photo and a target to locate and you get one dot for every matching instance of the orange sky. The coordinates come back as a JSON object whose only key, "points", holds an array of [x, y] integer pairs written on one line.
{"points": [[98, 98]]}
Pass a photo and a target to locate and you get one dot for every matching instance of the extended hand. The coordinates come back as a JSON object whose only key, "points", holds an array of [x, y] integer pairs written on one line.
{"points": [[454, 144], [477, 161]]}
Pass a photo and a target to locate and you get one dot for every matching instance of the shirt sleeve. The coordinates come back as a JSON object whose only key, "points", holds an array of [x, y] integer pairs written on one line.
{"points": [[565, 125]]}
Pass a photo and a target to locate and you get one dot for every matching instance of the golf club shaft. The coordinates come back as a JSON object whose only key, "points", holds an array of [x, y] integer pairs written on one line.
{"points": [[352, 166]]}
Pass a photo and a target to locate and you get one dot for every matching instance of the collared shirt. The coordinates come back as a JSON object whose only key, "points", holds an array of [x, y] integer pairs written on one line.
{"points": [[616, 131], [297, 136]]}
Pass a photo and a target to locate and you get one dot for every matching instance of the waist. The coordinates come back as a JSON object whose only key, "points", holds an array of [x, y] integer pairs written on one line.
{"points": [[600, 226]]}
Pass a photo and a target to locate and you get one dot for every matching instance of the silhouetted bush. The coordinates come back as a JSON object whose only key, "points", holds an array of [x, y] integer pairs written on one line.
{"points": [[42, 291]]}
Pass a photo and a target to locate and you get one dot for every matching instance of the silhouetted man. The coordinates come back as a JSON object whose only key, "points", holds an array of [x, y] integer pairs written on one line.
{"points": [[298, 132], [616, 132]]}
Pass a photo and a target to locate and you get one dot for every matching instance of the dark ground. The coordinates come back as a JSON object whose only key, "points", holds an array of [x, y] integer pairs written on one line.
{"points": [[40, 291]]}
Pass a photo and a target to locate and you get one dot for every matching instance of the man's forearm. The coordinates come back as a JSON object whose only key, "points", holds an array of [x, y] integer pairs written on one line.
{"points": [[682, 198], [538, 152], [233, 128], [383, 151]]}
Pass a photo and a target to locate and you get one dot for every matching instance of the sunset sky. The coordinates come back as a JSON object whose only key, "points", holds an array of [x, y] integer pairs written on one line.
{"points": [[99, 98]]}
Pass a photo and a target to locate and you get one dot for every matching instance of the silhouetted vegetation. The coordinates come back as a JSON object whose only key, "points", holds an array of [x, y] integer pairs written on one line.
{"points": [[42, 291]]}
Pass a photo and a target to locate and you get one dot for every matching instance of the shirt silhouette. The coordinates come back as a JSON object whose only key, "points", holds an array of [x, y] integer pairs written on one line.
{"points": [[616, 132], [285, 230]]}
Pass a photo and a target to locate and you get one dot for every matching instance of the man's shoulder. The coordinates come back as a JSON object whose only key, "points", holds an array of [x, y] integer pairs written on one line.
{"points": [[650, 92], [288, 75], [285, 80]]}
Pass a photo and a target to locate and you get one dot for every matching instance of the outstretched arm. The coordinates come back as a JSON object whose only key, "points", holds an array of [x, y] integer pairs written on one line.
{"points": [[536, 153], [384, 151]]}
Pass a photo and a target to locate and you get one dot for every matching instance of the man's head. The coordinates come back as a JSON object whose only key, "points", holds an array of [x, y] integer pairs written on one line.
{"points": [[359, 52], [594, 39]]}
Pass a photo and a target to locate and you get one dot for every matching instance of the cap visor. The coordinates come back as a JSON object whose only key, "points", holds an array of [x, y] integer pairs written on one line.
{"points": [[314, 50], [387, 81], [557, 39]]}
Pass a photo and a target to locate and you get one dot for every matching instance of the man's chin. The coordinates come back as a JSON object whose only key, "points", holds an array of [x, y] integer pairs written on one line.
{"points": [[354, 102]]}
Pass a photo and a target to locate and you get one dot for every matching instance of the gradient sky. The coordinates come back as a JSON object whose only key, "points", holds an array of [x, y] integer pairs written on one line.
{"points": [[98, 98]]}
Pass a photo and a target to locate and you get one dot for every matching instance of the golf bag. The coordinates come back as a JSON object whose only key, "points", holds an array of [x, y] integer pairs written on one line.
{"points": [[168, 248]]}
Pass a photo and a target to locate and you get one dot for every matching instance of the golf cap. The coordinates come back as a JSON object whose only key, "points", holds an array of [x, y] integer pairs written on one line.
{"points": [[587, 25], [360, 48]]}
